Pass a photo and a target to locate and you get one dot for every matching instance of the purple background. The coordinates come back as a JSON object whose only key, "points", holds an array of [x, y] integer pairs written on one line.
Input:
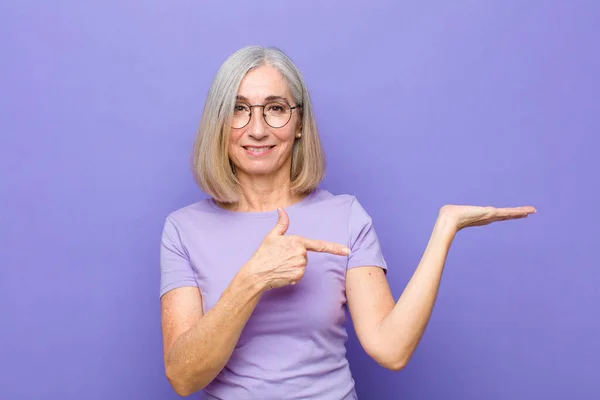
{"points": [[419, 103]]}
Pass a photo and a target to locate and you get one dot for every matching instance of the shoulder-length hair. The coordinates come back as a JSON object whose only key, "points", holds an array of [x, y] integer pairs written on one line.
{"points": [[211, 165]]}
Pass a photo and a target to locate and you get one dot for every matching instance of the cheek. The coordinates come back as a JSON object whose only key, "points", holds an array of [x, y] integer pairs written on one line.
{"points": [[234, 137], [287, 135], [234, 140]]}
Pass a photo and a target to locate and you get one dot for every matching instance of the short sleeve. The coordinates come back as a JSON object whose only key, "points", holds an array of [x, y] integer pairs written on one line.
{"points": [[365, 249], [175, 267]]}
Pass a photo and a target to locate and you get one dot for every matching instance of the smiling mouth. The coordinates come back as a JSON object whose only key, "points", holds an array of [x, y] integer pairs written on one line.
{"points": [[258, 151]]}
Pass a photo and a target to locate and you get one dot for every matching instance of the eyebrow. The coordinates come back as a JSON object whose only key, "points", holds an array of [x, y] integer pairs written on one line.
{"points": [[268, 98]]}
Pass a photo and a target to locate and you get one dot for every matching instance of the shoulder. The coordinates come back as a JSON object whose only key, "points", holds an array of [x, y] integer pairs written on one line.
{"points": [[202, 207], [326, 198], [203, 210], [342, 208], [344, 202]]}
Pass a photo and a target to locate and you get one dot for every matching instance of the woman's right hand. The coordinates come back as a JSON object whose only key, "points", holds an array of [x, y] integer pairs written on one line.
{"points": [[281, 259]]}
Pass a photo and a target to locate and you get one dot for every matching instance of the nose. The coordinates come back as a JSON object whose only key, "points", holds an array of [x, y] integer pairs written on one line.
{"points": [[257, 126]]}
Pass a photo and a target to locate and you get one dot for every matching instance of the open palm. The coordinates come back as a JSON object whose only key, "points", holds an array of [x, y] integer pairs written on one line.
{"points": [[465, 216]]}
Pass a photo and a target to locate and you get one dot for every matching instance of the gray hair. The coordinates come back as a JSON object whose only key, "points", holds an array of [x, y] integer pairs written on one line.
{"points": [[210, 160]]}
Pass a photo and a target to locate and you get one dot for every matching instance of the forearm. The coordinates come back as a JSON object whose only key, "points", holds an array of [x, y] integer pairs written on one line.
{"points": [[402, 329], [199, 354]]}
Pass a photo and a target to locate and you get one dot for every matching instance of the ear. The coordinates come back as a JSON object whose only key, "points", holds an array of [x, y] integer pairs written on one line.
{"points": [[299, 128]]}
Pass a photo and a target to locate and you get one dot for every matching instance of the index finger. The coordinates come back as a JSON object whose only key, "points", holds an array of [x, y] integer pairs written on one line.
{"points": [[516, 212], [321, 246]]}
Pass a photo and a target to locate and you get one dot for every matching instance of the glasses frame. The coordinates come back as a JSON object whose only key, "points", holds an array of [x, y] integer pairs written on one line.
{"points": [[250, 106]]}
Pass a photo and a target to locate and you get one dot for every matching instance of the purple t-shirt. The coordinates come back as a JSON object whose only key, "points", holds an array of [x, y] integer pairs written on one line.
{"points": [[293, 346]]}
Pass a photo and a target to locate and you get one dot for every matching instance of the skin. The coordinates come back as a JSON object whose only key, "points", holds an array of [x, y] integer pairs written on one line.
{"points": [[265, 181], [197, 345], [390, 331]]}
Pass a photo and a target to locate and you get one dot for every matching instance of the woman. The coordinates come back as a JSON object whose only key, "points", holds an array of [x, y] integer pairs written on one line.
{"points": [[255, 279]]}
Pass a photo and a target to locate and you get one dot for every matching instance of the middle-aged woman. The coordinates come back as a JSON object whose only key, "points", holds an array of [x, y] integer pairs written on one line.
{"points": [[255, 279]]}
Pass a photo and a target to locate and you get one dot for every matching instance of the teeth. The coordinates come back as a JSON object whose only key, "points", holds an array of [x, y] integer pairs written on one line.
{"points": [[258, 150]]}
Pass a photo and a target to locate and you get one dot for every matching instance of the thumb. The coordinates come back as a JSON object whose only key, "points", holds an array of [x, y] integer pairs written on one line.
{"points": [[283, 222]]}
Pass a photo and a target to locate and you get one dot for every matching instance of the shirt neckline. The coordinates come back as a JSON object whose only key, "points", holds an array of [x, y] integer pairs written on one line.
{"points": [[262, 214]]}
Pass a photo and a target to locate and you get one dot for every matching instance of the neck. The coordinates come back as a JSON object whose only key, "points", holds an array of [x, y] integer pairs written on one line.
{"points": [[264, 193]]}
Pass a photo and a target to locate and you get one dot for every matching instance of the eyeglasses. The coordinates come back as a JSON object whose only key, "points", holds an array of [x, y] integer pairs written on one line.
{"points": [[276, 114]]}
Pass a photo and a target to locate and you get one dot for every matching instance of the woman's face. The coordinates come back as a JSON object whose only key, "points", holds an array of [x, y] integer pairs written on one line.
{"points": [[258, 149]]}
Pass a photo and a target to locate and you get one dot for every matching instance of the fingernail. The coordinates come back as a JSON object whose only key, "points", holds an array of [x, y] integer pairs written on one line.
{"points": [[347, 251]]}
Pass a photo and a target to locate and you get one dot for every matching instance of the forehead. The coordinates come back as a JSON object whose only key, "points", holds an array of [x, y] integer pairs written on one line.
{"points": [[263, 82]]}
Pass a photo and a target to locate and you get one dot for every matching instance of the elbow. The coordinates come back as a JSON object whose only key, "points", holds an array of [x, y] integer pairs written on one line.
{"points": [[395, 358], [391, 361], [395, 365], [180, 385], [181, 391]]}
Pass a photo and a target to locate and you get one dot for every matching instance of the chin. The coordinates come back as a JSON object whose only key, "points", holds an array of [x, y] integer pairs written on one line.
{"points": [[259, 171], [259, 167], [251, 167]]}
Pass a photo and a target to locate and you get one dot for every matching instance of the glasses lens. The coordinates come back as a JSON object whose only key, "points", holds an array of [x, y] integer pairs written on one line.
{"points": [[277, 114], [241, 115]]}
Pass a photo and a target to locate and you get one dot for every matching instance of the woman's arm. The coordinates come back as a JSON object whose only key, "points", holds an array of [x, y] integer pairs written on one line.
{"points": [[391, 332], [197, 346]]}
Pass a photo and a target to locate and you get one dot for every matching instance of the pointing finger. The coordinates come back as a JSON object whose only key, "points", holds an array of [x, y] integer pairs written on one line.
{"points": [[321, 246]]}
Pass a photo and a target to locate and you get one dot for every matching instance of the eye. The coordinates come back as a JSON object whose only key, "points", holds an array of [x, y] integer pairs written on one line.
{"points": [[276, 108], [240, 109]]}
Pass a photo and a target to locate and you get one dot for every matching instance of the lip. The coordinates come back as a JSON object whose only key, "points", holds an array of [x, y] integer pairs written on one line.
{"points": [[249, 151]]}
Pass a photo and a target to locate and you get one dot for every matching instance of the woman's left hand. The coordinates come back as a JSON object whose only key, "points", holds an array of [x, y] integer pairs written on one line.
{"points": [[465, 216]]}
